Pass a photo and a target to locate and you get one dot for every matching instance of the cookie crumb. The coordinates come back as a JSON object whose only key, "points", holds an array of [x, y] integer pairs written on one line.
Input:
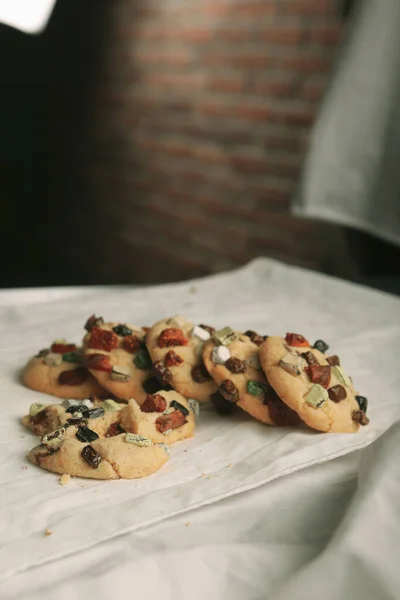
{"points": [[48, 532], [187, 524], [24, 468], [192, 289], [65, 479]]}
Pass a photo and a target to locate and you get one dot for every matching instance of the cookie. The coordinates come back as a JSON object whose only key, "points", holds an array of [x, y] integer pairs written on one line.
{"points": [[175, 346], [116, 355], [101, 415], [59, 371], [123, 456], [313, 384], [165, 417], [91, 442], [233, 362]]}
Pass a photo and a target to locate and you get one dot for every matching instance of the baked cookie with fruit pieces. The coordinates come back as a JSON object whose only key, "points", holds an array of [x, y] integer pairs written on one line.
{"points": [[79, 450], [163, 417], [313, 384], [59, 371], [175, 346], [116, 355], [232, 360], [103, 415]]}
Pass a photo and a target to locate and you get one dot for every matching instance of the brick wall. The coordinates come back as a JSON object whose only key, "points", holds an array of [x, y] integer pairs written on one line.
{"points": [[198, 124]]}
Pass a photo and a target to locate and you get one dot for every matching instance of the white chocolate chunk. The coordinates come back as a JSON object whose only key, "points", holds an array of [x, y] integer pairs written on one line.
{"points": [[138, 440], [316, 395], [169, 410], [340, 374], [35, 408], [164, 447], [200, 333], [195, 407], [53, 440], [292, 363], [225, 336], [53, 359], [167, 432], [120, 373], [112, 405], [254, 362], [220, 355]]}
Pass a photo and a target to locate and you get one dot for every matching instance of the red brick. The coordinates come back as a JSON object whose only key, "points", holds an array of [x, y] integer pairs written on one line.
{"points": [[151, 57], [313, 90], [306, 63], [325, 35], [253, 113], [309, 7], [227, 85], [275, 88], [287, 36], [294, 116], [249, 164], [254, 9], [267, 195]]}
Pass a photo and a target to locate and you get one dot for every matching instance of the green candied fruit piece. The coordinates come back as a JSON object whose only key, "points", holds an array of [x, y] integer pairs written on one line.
{"points": [[35, 408], [143, 360], [112, 405], [138, 440], [255, 388], [341, 375], [225, 336], [316, 395], [72, 357]]}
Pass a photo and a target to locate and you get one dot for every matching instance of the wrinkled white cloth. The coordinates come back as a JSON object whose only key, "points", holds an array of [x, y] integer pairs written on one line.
{"points": [[240, 511], [351, 174], [29, 16]]}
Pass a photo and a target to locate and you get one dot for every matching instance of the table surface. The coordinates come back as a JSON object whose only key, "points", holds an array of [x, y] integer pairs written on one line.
{"points": [[291, 515]]}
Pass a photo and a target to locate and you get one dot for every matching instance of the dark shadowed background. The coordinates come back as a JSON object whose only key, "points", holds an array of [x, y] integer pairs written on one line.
{"points": [[157, 140]]}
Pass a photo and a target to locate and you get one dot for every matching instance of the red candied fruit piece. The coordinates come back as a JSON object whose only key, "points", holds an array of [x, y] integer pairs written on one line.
{"points": [[295, 339], [172, 359], [320, 374], [63, 348], [98, 362], [102, 339], [131, 343], [172, 337], [171, 421], [154, 403]]}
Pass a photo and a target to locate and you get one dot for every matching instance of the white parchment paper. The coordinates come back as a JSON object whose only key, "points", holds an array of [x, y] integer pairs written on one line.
{"points": [[227, 455]]}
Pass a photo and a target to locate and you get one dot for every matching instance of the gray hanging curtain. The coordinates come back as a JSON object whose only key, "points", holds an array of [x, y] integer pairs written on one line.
{"points": [[352, 172]]}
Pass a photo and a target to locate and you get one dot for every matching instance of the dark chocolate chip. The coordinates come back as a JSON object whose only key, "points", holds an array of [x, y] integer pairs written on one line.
{"points": [[334, 360], [122, 330], [93, 321], [91, 456], [163, 374], [222, 406], [84, 434], [310, 358], [200, 374], [255, 337], [180, 407], [152, 385], [93, 413], [76, 408], [73, 376], [235, 365], [321, 346], [142, 360], [115, 429], [359, 416], [362, 403], [229, 391], [40, 417], [337, 393]]}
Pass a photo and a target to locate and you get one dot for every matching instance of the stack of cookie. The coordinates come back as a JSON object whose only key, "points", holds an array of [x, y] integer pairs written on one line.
{"points": [[130, 392]]}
